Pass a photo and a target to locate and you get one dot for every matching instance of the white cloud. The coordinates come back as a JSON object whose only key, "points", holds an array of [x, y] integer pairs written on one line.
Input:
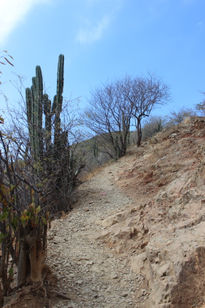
{"points": [[93, 29], [12, 13], [93, 33]]}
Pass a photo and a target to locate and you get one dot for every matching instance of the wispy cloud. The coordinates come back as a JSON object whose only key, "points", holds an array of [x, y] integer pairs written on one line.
{"points": [[12, 13], [92, 32], [105, 13]]}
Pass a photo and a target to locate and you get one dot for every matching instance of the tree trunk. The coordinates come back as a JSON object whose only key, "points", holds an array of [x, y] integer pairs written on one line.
{"points": [[23, 263], [1, 295], [139, 132], [37, 258], [31, 260]]}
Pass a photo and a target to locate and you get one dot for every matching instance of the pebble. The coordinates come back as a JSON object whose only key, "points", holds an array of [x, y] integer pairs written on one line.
{"points": [[79, 281], [125, 294], [88, 271]]}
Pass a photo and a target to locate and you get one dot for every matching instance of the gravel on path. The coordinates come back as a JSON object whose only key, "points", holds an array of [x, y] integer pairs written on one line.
{"points": [[89, 273]]}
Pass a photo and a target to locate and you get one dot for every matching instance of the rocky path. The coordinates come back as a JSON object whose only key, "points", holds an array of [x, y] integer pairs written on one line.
{"points": [[89, 273]]}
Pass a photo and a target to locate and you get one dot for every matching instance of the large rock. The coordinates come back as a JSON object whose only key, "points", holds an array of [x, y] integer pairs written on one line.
{"points": [[174, 267]]}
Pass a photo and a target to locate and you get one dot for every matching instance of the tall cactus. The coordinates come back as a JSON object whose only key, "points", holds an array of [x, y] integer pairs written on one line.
{"points": [[34, 100], [38, 104], [58, 99]]}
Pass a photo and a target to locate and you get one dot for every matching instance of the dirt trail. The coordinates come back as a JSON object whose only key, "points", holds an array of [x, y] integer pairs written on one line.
{"points": [[89, 273]]}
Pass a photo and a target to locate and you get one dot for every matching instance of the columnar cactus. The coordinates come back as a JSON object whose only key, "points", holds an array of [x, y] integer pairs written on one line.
{"points": [[58, 99], [55, 164], [37, 104], [34, 100]]}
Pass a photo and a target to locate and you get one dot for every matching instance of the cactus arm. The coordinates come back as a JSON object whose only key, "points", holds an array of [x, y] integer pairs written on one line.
{"points": [[39, 109], [48, 115], [58, 100]]}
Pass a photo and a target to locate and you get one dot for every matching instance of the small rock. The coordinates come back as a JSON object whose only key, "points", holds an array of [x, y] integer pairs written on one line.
{"points": [[90, 263], [143, 292], [79, 281], [125, 294]]}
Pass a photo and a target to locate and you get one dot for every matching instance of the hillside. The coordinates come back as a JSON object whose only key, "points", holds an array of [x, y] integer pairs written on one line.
{"points": [[163, 230], [135, 237]]}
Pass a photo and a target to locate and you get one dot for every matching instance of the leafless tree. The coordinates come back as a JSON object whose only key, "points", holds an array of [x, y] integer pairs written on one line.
{"points": [[152, 126], [177, 117], [5, 59], [143, 94], [113, 107], [201, 107], [109, 118]]}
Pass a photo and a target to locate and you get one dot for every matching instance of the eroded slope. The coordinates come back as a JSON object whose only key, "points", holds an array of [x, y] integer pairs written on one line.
{"points": [[163, 230]]}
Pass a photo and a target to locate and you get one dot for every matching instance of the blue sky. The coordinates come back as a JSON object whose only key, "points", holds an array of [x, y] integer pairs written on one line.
{"points": [[104, 40]]}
